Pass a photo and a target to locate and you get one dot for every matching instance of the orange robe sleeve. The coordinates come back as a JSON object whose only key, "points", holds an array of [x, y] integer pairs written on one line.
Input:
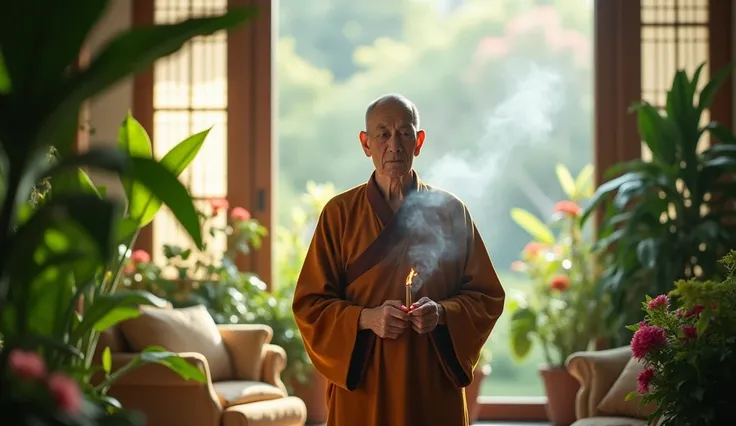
{"points": [[472, 313], [327, 322]]}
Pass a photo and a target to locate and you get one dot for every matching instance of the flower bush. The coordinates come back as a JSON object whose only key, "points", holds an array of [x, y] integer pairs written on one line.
{"points": [[560, 310], [687, 344], [211, 278]]}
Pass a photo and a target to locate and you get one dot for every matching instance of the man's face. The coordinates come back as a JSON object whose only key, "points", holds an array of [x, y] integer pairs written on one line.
{"points": [[391, 140]]}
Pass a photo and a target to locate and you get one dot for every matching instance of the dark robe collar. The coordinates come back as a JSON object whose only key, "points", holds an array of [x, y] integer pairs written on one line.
{"points": [[379, 204]]}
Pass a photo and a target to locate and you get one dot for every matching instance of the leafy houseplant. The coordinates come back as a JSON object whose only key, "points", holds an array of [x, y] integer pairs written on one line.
{"points": [[560, 311], [64, 240], [689, 352], [667, 218]]}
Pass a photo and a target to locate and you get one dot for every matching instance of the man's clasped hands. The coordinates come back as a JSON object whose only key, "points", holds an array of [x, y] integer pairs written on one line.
{"points": [[390, 319]]}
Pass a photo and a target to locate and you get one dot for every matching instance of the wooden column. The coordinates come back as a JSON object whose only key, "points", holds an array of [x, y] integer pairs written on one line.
{"points": [[720, 51], [617, 83], [251, 144]]}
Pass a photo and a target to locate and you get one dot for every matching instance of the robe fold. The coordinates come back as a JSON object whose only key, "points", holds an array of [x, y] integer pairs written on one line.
{"points": [[359, 257]]}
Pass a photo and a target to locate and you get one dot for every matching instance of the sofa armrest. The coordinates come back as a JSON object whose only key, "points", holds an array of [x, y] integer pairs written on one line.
{"points": [[245, 343], [596, 371], [273, 364], [163, 396]]}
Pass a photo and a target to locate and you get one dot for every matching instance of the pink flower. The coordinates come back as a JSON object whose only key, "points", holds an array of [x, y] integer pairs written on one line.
{"points": [[646, 339], [140, 256], [518, 266], [219, 204], [66, 392], [643, 380], [690, 332], [240, 214], [27, 365], [695, 311], [642, 324], [659, 301]]}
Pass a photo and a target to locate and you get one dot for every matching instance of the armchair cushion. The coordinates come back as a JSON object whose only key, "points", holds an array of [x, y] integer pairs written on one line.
{"points": [[190, 329], [245, 343], [615, 404], [244, 392]]}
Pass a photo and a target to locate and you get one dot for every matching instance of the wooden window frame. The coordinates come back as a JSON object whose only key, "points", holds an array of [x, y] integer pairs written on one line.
{"points": [[251, 143]]}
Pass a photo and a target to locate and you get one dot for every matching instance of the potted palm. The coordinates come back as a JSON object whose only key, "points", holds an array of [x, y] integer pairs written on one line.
{"points": [[668, 217], [561, 310]]}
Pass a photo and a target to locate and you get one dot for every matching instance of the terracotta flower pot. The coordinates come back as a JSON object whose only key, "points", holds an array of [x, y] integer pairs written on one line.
{"points": [[561, 389], [473, 390], [314, 394]]}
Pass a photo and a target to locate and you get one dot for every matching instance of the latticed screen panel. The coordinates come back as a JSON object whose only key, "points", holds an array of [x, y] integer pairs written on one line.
{"points": [[190, 95], [674, 35]]}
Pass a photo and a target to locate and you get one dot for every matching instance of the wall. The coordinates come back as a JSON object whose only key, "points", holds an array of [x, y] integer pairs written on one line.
{"points": [[109, 109]]}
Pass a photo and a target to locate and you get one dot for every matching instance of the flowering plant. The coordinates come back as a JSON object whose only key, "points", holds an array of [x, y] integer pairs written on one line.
{"points": [[689, 351], [560, 309], [212, 277]]}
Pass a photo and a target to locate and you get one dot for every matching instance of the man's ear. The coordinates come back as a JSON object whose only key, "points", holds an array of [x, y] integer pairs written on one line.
{"points": [[420, 141], [363, 136]]}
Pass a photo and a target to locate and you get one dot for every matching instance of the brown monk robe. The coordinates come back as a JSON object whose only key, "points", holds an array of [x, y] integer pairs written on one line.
{"points": [[387, 365]]}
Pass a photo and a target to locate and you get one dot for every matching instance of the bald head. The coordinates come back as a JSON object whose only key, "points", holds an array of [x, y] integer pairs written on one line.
{"points": [[394, 99]]}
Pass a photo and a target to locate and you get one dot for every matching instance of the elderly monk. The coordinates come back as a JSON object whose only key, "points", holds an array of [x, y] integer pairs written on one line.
{"points": [[388, 364]]}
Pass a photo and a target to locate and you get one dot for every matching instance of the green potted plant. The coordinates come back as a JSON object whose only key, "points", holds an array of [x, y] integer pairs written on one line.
{"points": [[64, 240], [687, 344], [667, 218], [560, 311]]}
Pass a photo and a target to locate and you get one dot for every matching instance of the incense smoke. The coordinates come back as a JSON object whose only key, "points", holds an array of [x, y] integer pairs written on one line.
{"points": [[521, 121]]}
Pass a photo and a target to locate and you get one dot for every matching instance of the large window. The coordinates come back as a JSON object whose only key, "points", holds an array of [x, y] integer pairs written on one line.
{"points": [[504, 89]]}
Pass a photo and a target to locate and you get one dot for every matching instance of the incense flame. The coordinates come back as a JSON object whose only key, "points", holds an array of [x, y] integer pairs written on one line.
{"points": [[410, 277]]}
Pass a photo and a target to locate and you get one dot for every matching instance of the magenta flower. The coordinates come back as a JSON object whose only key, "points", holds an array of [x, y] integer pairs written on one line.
{"points": [[643, 380], [646, 339], [659, 301]]}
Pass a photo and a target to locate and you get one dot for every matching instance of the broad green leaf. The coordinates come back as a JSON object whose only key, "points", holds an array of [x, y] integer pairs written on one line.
{"points": [[105, 306], [116, 316], [184, 152], [647, 251], [631, 395], [143, 204], [566, 181], [129, 53], [133, 138], [721, 133], [106, 360], [99, 158], [584, 182], [532, 225], [164, 185], [41, 39], [5, 85], [172, 360], [696, 79], [523, 323], [710, 89], [73, 181], [605, 189]]}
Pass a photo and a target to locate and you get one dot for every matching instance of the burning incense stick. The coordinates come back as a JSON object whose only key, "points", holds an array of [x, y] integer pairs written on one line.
{"points": [[409, 279]]}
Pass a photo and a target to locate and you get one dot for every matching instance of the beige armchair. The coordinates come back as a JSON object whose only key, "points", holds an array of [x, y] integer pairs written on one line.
{"points": [[242, 371], [606, 377]]}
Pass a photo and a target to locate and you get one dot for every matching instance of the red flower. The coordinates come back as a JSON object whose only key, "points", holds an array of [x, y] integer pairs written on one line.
{"points": [[646, 339], [533, 248], [695, 311], [27, 365], [568, 208], [240, 214], [659, 301], [66, 393], [140, 256], [643, 380], [560, 282], [690, 332], [219, 204]]}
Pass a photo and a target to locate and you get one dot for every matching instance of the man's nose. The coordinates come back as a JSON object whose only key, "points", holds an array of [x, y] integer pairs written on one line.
{"points": [[394, 144]]}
